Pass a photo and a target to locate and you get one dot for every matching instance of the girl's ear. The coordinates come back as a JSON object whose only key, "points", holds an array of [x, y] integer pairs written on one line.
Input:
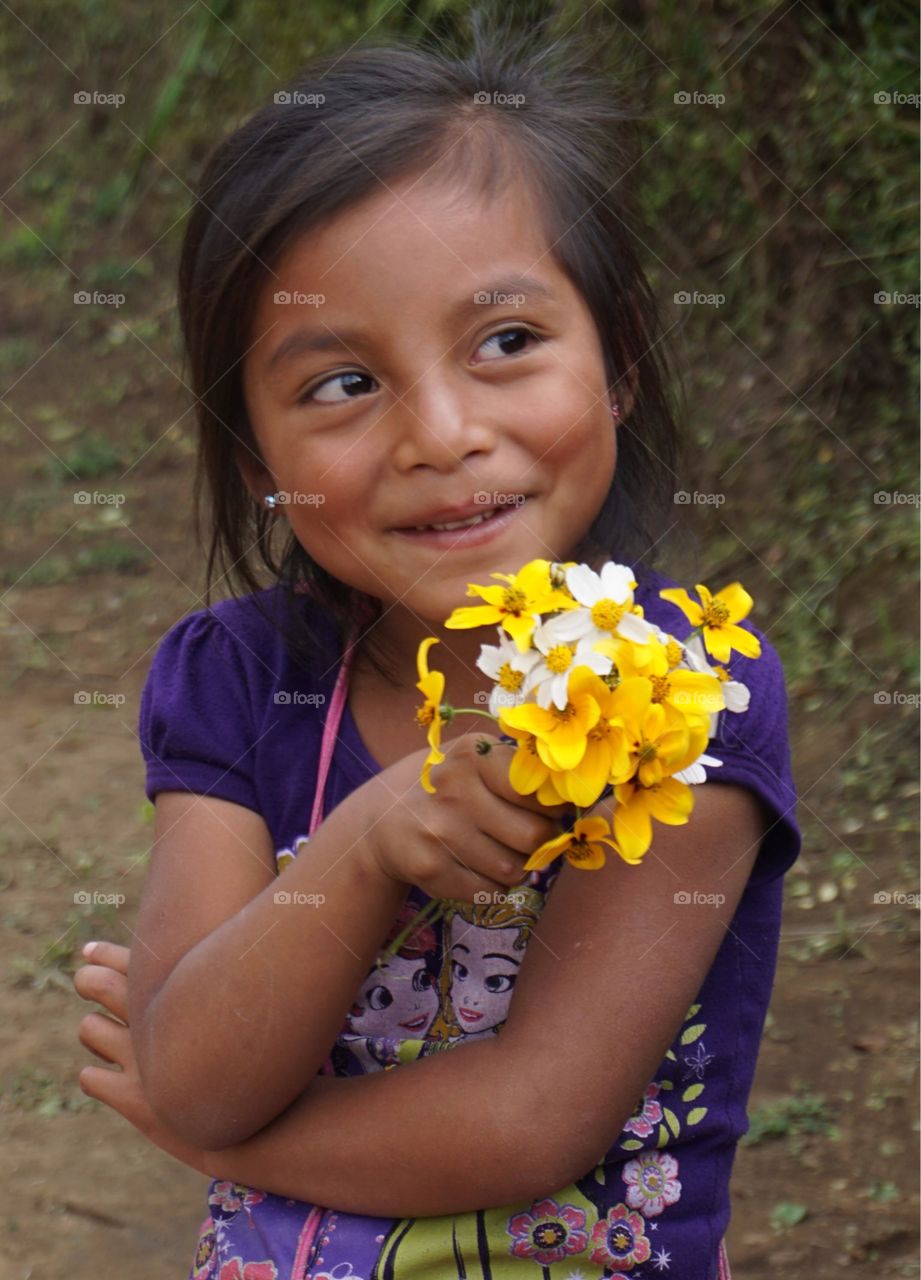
{"points": [[255, 476]]}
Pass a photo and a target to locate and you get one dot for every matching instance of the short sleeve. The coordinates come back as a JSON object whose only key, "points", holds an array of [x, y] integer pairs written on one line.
{"points": [[196, 721], [754, 748]]}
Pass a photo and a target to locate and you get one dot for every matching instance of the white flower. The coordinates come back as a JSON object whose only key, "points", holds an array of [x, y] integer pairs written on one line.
{"points": [[508, 667], [735, 693], [695, 772], [559, 651]]}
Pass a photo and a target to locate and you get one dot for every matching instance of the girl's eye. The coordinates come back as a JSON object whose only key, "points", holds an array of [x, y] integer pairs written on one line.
{"points": [[379, 998], [352, 381], [313, 394], [497, 982], [460, 971], [422, 980], [511, 336]]}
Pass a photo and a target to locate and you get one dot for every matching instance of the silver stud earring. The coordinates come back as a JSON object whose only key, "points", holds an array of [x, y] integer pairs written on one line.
{"points": [[270, 501]]}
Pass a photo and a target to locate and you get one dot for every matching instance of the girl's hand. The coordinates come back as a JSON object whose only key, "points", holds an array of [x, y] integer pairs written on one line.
{"points": [[472, 836], [105, 980]]}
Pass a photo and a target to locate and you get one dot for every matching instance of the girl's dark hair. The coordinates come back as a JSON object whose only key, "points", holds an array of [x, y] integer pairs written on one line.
{"points": [[509, 101]]}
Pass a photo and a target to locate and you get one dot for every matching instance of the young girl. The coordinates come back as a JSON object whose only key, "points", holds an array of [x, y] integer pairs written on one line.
{"points": [[424, 351]]}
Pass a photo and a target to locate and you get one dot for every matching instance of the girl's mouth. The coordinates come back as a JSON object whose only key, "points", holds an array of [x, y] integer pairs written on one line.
{"points": [[414, 1024], [470, 1015], [472, 532]]}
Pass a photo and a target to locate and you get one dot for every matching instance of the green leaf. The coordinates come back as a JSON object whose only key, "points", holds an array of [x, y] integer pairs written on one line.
{"points": [[787, 1214], [691, 1092], [698, 1113], [691, 1034], [672, 1121]]}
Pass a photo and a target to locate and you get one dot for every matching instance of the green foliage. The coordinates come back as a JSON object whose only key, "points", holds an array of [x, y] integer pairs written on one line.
{"points": [[792, 1118]]}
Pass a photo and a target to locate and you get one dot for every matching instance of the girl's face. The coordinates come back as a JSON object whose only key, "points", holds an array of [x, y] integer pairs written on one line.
{"points": [[450, 369], [484, 966]]}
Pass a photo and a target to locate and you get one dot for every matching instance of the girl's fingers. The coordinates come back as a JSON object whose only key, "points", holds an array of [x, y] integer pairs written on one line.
{"points": [[108, 987], [109, 954], [108, 1039]]}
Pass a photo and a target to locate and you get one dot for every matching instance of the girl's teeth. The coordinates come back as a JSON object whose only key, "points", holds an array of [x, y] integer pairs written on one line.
{"points": [[458, 524]]}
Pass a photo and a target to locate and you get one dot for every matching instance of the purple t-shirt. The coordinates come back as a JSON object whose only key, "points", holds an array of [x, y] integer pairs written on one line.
{"points": [[227, 712]]}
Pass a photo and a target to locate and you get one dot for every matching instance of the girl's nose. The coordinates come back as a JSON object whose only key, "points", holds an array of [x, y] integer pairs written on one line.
{"points": [[438, 431]]}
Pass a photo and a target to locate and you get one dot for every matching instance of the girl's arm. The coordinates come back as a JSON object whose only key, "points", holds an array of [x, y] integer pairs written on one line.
{"points": [[236, 992], [617, 958]]}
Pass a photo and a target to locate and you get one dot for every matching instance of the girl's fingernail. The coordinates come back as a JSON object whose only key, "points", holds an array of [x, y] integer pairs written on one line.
{"points": [[89, 948]]}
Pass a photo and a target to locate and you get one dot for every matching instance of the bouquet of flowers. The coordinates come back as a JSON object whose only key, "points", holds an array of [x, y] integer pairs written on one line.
{"points": [[596, 699]]}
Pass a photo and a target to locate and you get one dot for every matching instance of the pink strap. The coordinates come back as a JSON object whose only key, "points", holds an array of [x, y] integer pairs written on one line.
{"points": [[330, 734]]}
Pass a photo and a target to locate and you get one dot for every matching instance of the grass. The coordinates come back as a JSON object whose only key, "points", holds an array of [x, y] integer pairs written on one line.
{"points": [[796, 1118]]}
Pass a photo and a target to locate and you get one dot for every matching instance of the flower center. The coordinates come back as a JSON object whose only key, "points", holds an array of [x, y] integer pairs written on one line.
{"points": [[659, 688], [547, 1234], [509, 678], [607, 613], [673, 652], [722, 674], [715, 614], [579, 850], [559, 659], [514, 600], [647, 752], [425, 715]]}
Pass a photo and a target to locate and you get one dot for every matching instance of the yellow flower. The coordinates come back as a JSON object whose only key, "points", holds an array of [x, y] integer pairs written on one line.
{"points": [[432, 686], [670, 801], [513, 606], [562, 736], [605, 746], [583, 846], [696, 694], [660, 740], [718, 616]]}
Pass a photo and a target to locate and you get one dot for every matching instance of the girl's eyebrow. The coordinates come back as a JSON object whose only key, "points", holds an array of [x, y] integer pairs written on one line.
{"points": [[496, 294]]}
